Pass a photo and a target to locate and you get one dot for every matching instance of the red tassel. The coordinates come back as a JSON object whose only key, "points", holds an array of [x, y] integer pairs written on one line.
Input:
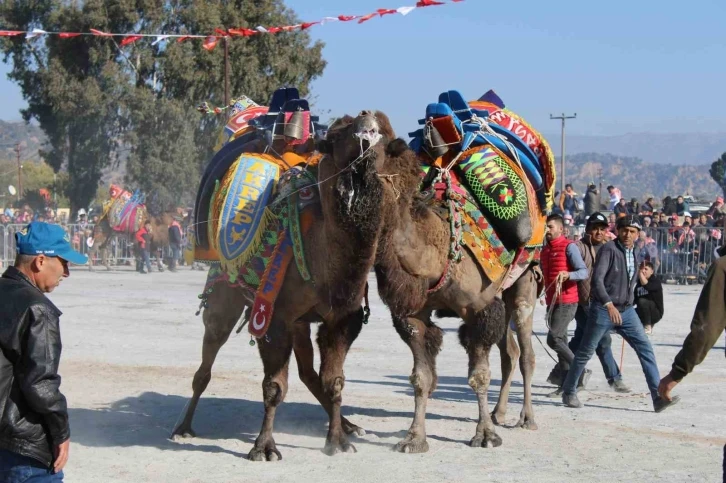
{"points": [[130, 40]]}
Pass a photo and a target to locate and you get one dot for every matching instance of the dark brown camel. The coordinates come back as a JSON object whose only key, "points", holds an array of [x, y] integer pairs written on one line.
{"points": [[347, 223], [103, 234], [412, 257]]}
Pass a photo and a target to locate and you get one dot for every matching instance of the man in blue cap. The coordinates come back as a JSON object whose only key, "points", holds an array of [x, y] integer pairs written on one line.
{"points": [[34, 431]]}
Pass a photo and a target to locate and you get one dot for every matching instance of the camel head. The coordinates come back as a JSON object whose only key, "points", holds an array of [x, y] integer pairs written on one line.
{"points": [[360, 140]]}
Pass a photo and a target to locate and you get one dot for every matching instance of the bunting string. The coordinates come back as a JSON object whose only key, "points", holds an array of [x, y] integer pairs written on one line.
{"points": [[210, 40]]}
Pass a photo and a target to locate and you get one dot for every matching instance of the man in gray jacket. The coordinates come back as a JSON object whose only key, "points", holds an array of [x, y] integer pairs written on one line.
{"points": [[613, 284]]}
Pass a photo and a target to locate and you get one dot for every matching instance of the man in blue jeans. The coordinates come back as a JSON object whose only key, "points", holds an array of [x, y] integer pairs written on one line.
{"points": [[613, 285]]}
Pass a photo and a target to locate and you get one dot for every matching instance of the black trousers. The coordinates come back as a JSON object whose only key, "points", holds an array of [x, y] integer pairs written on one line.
{"points": [[562, 315], [648, 312]]}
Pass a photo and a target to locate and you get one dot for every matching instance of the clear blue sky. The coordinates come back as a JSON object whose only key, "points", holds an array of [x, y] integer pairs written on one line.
{"points": [[623, 66]]}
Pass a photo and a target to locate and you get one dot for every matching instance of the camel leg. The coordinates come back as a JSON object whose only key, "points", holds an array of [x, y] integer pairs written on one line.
{"points": [[275, 350], [509, 353], [334, 341], [424, 339], [478, 334], [219, 319], [523, 318], [305, 357]]}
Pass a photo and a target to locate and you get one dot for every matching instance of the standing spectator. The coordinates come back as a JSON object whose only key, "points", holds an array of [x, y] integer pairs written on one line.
{"points": [[621, 208], [669, 206], [663, 220], [590, 200], [34, 430], [594, 238], [562, 266], [681, 206], [568, 203], [647, 207], [704, 220], [648, 297], [613, 286], [615, 197], [633, 207], [715, 207], [143, 244], [175, 243], [646, 247]]}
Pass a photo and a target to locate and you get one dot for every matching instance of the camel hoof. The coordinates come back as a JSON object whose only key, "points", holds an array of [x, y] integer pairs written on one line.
{"points": [[350, 428], [527, 424], [412, 446], [498, 420], [333, 449], [491, 440], [264, 454], [182, 433]]}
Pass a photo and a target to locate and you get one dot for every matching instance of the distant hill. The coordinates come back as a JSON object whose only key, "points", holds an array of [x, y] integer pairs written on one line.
{"points": [[689, 149], [29, 136], [639, 179]]}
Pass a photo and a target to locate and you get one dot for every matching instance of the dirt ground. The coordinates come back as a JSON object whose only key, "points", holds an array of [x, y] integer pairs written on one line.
{"points": [[132, 343]]}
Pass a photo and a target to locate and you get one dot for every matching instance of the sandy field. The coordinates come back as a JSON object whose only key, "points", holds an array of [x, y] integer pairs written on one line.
{"points": [[132, 343]]}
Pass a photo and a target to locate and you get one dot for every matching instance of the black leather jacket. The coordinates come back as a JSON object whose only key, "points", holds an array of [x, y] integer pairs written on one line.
{"points": [[34, 413]]}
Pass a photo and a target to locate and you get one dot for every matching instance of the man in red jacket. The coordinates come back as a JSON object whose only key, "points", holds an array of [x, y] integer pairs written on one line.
{"points": [[143, 245], [563, 267]]}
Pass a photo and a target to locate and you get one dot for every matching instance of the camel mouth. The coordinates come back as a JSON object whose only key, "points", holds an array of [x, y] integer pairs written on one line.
{"points": [[367, 130]]}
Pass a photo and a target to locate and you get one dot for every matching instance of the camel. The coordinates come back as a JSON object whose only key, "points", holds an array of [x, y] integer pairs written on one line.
{"points": [[415, 278], [103, 234], [348, 217]]}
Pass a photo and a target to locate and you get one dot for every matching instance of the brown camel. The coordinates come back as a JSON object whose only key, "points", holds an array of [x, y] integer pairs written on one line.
{"points": [[416, 278], [103, 234], [347, 222]]}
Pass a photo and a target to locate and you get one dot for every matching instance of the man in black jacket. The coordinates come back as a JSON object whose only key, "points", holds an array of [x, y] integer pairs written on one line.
{"points": [[613, 284], [34, 431]]}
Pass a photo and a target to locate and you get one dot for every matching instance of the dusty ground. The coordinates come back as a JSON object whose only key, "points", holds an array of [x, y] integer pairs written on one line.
{"points": [[132, 344]]}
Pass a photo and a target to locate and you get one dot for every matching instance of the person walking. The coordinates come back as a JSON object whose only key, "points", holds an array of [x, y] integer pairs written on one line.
{"points": [[648, 297], [707, 325], [175, 243], [34, 429], [594, 238], [590, 200], [613, 285], [562, 267]]}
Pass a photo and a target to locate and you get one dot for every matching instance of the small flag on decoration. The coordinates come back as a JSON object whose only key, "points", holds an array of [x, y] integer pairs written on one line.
{"points": [[35, 33], [130, 40], [307, 25], [160, 38], [347, 18], [243, 32], [386, 11], [68, 35], [261, 29], [183, 38], [366, 18], [328, 19], [210, 43], [428, 3], [10, 33], [405, 10], [100, 34]]}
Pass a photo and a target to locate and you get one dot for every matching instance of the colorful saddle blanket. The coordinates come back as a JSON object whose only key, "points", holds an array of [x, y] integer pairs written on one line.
{"points": [[125, 215]]}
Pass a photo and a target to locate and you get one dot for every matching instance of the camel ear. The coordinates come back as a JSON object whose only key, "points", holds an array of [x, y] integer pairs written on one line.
{"points": [[396, 147]]}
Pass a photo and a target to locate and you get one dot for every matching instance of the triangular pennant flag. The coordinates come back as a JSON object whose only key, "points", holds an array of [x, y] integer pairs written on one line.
{"points": [[210, 43], [130, 40], [101, 34], [347, 18], [68, 35], [307, 25], [290, 28], [183, 38], [366, 18], [10, 33], [222, 33], [386, 11], [273, 30], [405, 10], [159, 38], [242, 32], [35, 33], [328, 19], [427, 3], [261, 29]]}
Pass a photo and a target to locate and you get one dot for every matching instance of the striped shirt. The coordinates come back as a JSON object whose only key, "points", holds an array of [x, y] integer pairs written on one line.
{"points": [[629, 260]]}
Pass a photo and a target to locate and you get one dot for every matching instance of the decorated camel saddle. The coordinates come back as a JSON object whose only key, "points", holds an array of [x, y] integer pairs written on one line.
{"points": [[125, 211], [254, 202], [492, 176]]}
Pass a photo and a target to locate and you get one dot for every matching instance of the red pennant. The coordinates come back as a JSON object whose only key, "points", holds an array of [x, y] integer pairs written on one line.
{"points": [[242, 32], [222, 33], [273, 30], [307, 25], [366, 18], [290, 28], [68, 35], [130, 40], [428, 3], [210, 43], [101, 34], [347, 18], [182, 39], [386, 11], [10, 33]]}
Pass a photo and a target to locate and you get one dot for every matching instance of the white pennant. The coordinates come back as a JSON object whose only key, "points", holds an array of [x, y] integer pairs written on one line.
{"points": [[405, 10], [159, 38], [35, 33], [262, 29], [328, 19]]}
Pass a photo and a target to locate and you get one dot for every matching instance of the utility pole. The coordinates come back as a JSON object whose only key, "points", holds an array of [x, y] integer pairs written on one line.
{"points": [[599, 190], [20, 171], [563, 118], [226, 74]]}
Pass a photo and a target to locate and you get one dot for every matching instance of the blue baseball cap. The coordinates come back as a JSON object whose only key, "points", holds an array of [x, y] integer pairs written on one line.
{"points": [[40, 238]]}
